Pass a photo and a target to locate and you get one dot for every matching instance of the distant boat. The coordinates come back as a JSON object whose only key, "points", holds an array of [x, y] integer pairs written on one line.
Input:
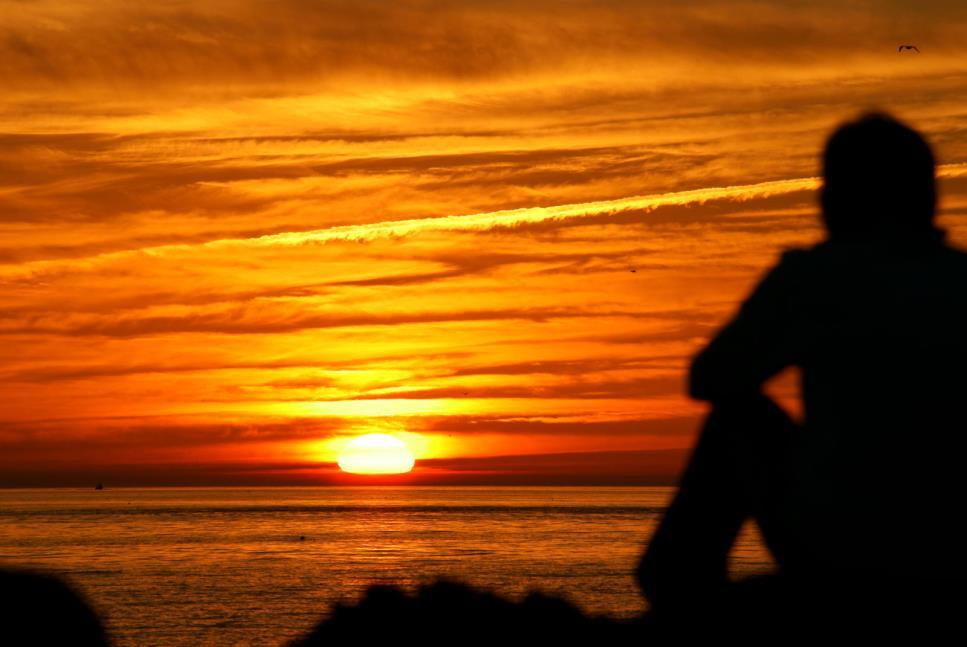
{"points": [[99, 486]]}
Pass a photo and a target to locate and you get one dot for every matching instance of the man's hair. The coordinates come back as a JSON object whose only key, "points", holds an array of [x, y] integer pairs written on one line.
{"points": [[878, 180]]}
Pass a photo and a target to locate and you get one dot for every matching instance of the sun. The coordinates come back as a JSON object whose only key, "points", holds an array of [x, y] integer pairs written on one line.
{"points": [[376, 454]]}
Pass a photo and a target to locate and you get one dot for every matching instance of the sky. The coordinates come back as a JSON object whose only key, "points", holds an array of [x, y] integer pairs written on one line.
{"points": [[235, 235]]}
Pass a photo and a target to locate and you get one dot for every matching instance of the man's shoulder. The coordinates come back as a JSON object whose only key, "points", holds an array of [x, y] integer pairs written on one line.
{"points": [[795, 261], [836, 253], [799, 255], [832, 268], [954, 255]]}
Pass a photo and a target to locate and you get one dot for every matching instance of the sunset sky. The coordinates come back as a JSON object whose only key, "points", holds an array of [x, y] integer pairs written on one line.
{"points": [[234, 235]]}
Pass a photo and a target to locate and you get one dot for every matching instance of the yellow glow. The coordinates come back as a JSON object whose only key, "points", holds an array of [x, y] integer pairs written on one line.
{"points": [[376, 454]]}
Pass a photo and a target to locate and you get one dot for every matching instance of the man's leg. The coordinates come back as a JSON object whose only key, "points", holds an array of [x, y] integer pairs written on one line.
{"points": [[738, 470]]}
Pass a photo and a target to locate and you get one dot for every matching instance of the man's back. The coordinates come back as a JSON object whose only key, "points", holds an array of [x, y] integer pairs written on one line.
{"points": [[878, 330]]}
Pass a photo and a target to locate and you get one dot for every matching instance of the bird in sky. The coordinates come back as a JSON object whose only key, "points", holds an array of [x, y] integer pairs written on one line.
{"points": [[903, 47]]}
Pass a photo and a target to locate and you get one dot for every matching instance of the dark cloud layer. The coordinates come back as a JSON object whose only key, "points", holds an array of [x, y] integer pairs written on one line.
{"points": [[296, 40]]}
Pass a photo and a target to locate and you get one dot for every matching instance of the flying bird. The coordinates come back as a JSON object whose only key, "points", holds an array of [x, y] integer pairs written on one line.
{"points": [[903, 47]]}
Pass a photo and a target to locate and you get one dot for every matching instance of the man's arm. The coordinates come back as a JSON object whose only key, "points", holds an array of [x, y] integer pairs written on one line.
{"points": [[755, 345]]}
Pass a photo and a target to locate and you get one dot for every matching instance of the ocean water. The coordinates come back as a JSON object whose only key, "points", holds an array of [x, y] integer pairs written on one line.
{"points": [[226, 566]]}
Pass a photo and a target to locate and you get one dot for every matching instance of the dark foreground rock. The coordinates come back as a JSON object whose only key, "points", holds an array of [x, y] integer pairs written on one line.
{"points": [[451, 613], [759, 611], [38, 609]]}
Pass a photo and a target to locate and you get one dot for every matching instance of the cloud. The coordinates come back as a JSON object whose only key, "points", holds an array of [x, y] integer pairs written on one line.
{"points": [[673, 425], [591, 390], [658, 467], [242, 322], [642, 467], [290, 41], [505, 219], [512, 218], [103, 440]]}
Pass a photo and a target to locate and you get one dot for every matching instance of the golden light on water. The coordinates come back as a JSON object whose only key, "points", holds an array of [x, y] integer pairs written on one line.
{"points": [[376, 454]]}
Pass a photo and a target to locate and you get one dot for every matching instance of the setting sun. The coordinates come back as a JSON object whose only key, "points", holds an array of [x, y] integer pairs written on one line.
{"points": [[376, 454]]}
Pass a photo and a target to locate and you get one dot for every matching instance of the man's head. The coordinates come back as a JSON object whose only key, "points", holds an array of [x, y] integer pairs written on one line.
{"points": [[878, 180]]}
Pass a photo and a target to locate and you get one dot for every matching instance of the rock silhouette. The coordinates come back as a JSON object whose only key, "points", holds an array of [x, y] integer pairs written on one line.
{"points": [[448, 612], [39, 609]]}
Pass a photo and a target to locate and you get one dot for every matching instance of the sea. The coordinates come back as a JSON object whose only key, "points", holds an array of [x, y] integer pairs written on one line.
{"points": [[260, 566]]}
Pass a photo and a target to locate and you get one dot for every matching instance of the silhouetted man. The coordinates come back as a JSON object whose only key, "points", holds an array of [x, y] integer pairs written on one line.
{"points": [[872, 484]]}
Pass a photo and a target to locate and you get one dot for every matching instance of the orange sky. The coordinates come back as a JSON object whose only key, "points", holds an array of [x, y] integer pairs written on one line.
{"points": [[234, 234]]}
